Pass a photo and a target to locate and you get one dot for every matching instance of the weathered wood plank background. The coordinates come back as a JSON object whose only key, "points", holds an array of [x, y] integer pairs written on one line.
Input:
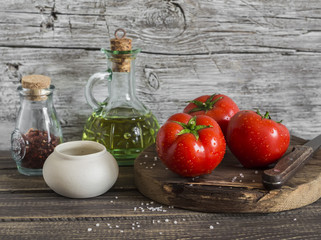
{"points": [[263, 54]]}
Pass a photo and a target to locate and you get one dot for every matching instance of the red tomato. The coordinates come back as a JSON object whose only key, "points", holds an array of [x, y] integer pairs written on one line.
{"points": [[256, 140], [190, 146], [218, 106]]}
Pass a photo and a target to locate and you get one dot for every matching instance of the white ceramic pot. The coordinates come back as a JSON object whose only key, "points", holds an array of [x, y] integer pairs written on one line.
{"points": [[80, 169]]}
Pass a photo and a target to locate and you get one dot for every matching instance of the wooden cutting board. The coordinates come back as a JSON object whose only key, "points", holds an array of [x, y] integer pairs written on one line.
{"points": [[229, 188]]}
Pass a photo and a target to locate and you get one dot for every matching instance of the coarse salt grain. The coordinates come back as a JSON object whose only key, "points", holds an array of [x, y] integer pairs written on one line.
{"points": [[211, 227], [89, 229], [241, 175], [146, 155], [233, 179], [97, 224]]}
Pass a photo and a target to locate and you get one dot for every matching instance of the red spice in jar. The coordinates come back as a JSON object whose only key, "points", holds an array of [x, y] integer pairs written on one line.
{"points": [[39, 145]]}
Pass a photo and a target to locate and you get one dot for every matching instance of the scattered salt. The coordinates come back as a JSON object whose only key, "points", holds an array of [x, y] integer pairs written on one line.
{"points": [[89, 229], [241, 175], [146, 155], [233, 179], [294, 219], [175, 222], [97, 224], [211, 227]]}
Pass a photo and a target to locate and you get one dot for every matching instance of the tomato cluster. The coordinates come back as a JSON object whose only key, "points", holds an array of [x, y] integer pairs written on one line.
{"points": [[193, 143]]}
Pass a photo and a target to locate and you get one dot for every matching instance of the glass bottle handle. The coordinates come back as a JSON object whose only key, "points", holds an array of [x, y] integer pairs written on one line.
{"points": [[100, 76]]}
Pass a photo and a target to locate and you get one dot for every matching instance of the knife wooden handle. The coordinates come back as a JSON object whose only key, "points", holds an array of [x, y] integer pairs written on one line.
{"points": [[286, 167]]}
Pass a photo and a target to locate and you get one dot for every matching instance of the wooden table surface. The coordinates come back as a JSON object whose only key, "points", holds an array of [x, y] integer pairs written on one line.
{"points": [[30, 210]]}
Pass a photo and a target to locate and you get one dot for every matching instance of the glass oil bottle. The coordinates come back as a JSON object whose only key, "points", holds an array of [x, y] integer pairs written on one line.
{"points": [[121, 123]]}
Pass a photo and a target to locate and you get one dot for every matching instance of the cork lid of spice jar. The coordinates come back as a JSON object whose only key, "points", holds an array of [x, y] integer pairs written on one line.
{"points": [[35, 81], [35, 85]]}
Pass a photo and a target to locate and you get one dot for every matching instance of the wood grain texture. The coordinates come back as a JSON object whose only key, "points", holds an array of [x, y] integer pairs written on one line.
{"points": [[263, 54], [29, 210]]}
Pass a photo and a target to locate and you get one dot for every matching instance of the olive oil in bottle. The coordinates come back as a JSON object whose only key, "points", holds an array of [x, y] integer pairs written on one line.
{"points": [[123, 137]]}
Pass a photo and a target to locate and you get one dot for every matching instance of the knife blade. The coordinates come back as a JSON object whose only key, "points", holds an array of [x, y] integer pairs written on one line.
{"points": [[289, 164]]}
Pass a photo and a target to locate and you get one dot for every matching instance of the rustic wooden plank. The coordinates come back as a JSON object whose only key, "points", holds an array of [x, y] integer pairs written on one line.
{"points": [[267, 81], [174, 224], [189, 27]]}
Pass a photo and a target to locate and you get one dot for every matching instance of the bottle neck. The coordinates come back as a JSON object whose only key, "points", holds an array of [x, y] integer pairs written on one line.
{"points": [[122, 87]]}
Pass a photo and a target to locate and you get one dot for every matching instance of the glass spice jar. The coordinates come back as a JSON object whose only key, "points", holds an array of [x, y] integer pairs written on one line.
{"points": [[37, 130]]}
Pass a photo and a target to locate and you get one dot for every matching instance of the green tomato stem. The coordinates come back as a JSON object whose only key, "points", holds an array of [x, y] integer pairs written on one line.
{"points": [[191, 127], [204, 106]]}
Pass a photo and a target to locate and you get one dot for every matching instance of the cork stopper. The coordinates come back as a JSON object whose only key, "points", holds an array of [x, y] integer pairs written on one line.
{"points": [[121, 62], [35, 85], [120, 43], [36, 82]]}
